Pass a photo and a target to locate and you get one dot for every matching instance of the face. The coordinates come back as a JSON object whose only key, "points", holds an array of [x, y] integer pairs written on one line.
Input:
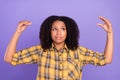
{"points": [[58, 32]]}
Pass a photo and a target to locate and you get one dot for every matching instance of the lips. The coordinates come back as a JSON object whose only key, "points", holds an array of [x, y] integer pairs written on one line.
{"points": [[58, 38]]}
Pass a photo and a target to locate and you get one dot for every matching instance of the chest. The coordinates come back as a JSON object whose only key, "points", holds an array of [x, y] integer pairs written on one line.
{"points": [[60, 64]]}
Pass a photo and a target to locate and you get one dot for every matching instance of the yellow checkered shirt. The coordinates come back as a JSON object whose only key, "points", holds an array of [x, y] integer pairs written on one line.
{"points": [[58, 65]]}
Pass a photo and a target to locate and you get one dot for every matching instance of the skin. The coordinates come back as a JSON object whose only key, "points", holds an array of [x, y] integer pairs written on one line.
{"points": [[58, 34], [108, 51]]}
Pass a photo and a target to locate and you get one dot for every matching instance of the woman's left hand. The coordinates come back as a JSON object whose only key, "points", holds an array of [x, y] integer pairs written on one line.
{"points": [[107, 26]]}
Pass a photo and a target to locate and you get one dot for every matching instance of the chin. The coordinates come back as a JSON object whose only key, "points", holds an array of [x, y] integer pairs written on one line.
{"points": [[59, 42]]}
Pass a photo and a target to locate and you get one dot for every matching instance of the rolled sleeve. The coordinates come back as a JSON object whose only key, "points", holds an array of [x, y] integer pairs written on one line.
{"points": [[91, 57], [26, 56]]}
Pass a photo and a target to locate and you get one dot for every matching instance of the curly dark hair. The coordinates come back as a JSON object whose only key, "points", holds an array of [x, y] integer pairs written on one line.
{"points": [[72, 32]]}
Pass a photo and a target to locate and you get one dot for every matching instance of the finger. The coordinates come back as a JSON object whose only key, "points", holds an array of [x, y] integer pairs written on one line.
{"points": [[101, 25], [25, 23], [104, 19], [29, 23]]}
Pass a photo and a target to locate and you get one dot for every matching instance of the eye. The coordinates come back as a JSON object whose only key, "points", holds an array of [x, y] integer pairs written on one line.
{"points": [[54, 29], [63, 29]]}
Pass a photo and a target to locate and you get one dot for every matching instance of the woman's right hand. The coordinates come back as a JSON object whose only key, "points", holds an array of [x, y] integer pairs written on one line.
{"points": [[22, 25], [11, 48]]}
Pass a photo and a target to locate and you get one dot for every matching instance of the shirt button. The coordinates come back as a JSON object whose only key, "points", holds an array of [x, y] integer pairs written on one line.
{"points": [[60, 69], [60, 62]]}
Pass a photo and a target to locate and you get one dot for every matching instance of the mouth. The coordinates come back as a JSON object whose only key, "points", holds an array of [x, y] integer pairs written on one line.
{"points": [[58, 38]]}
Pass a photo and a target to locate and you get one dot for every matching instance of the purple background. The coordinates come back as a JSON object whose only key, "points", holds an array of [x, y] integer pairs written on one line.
{"points": [[85, 12]]}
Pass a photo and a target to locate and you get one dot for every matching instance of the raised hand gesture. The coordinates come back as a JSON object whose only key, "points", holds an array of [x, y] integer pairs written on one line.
{"points": [[22, 25], [106, 25]]}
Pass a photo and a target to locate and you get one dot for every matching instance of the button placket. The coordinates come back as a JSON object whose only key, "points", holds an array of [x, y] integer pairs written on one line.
{"points": [[60, 65]]}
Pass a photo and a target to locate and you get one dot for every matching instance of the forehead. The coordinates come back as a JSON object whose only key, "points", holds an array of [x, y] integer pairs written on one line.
{"points": [[58, 22]]}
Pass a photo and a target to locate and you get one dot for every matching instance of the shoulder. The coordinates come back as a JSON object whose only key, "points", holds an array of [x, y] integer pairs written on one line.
{"points": [[82, 48], [35, 47]]}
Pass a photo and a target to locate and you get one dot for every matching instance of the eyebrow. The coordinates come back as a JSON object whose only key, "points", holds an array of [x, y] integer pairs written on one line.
{"points": [[61, 26]]}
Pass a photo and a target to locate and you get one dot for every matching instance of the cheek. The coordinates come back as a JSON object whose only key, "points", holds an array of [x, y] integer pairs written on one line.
{"points": [[65, 34], [52, 35]]}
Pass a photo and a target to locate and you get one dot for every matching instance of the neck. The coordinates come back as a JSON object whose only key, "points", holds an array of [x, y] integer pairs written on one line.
{"points": [[59, 45]]}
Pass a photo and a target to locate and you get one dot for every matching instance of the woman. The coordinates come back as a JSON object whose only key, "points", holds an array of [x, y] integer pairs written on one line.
{"points": [[59, 56]]}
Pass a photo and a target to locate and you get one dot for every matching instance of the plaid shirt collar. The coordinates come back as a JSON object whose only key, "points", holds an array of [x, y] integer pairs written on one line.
{"points": [[64, 47]]}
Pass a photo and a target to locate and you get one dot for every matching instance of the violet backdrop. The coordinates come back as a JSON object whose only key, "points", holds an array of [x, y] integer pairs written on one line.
{"points": [[84, 12]]}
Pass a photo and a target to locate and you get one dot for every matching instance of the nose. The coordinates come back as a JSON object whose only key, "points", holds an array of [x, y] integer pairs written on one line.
{"points": [[58, 32]]}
